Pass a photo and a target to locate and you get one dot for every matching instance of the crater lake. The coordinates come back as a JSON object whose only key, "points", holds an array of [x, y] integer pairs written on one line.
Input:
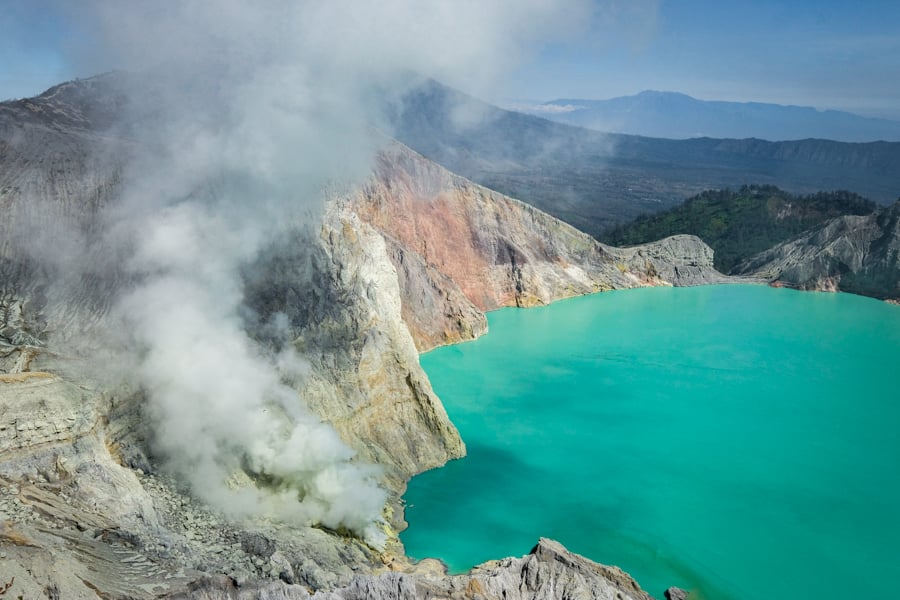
{"points": [[738, 441]]}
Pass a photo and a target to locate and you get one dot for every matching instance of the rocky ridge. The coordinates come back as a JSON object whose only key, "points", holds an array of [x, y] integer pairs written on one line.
{"points": [[548, 572], [857, 254], [410, 260]]}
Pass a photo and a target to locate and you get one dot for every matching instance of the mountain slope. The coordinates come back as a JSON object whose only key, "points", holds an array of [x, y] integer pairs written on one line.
{"points": [[595, 181], [678, 116], [739, 224], [857, 254]]}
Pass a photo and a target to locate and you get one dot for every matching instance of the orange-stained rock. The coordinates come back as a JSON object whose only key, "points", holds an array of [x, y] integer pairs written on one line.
{"points": [[461, 249]]}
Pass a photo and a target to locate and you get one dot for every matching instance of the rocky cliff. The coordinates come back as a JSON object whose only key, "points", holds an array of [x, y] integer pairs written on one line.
{"points": [[407, 261], [857, 254], [461, 249]]}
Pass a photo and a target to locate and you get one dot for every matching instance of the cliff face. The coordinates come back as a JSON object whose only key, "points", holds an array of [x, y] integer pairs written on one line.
{"points": [[461, 249], [85, 509], [857, 254], [405, 262], [366, 379]]}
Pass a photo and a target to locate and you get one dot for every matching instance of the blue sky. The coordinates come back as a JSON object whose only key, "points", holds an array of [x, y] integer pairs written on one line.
{"points": [[823, 53], [31, 49], [827, 53]]}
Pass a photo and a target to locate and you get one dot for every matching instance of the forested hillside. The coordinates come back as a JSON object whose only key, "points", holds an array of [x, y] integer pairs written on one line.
{"points": [[739, 224]]}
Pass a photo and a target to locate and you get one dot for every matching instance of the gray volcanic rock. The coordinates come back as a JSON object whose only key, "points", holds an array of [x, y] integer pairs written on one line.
{"points": [[675, 593], [549, 572], [75, 518], [367, 381], [80, 442], [858, 254], [62, 167], [679, 260]]}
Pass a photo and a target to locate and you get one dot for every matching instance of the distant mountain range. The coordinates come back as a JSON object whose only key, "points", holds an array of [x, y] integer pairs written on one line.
{"points": [[678, 116], [597, 180]]}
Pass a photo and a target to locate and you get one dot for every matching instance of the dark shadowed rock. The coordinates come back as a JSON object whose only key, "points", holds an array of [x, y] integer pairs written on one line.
{"points": [[257, 544], [675, 593]]}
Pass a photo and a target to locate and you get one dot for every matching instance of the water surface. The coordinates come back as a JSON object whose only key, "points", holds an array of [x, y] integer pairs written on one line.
{"points": [[740, 441]]}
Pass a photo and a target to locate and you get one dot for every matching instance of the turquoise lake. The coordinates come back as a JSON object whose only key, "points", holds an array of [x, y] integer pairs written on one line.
{"points": [[739, 441]]}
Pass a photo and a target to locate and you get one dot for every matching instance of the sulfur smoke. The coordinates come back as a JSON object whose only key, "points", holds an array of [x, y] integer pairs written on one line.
{"points": [[245, 112]]}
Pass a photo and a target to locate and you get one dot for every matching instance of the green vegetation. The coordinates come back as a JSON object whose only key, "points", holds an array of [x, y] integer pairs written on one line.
{"points": [[739, 224]]}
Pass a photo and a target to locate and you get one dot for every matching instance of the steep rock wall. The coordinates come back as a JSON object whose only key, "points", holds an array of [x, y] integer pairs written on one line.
{"points": [[378, 398], [463, 249]]}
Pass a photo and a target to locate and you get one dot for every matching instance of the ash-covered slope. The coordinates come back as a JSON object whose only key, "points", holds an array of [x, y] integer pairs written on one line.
{"points": [[89, 507], [857, 254]]}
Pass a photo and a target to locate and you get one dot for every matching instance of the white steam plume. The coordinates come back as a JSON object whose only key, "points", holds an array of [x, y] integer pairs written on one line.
{"points": [[255, 108]]}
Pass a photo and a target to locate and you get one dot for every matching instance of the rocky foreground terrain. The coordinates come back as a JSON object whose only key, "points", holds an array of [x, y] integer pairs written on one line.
{"points": [[407, 261]]}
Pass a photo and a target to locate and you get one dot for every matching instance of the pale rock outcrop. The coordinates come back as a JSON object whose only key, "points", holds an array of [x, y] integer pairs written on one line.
{"points": [[681, 260], [675, 593], [382, 404]]}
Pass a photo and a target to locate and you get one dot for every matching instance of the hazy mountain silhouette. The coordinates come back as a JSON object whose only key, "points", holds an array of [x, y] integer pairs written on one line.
{"points": [[595, 180], [678, 116]]}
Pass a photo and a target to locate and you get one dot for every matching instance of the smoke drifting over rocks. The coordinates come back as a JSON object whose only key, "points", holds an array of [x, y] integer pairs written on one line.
{"points": [[242, 116]]}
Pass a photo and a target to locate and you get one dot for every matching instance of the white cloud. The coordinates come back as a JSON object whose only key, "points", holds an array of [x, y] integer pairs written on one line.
{"points": [[545, 109]]}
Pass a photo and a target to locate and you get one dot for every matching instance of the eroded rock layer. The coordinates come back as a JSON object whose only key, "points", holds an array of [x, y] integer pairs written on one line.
{"points": [[858, 254]]}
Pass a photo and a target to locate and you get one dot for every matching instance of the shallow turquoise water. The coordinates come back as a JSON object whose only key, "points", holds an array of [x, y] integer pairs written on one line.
{"points": [[740, 441]]}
